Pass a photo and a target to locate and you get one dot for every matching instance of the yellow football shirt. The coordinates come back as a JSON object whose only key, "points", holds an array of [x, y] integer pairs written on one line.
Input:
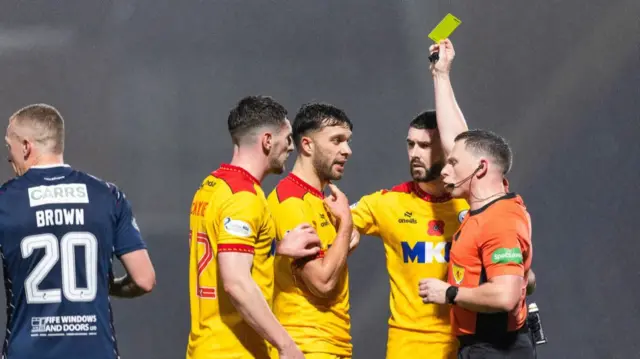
{"points": [[317, 325], [229, 213], [416, 229]]}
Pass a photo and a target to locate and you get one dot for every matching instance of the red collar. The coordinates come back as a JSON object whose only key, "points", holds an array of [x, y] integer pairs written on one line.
{"points": [[228, 167]]}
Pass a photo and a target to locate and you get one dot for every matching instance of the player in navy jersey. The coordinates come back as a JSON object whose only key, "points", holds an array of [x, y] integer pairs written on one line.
{"points": [[59, 230]]}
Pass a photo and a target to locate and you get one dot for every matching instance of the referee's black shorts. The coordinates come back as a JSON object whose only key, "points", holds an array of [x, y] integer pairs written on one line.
{"points": [[514, 345]]}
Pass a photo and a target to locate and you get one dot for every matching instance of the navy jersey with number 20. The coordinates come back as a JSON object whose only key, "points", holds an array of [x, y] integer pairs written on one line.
{"points": [[59, 230]]}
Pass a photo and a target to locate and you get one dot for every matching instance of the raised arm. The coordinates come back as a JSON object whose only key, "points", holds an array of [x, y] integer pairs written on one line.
{"points": [[450, 119], [322, 273]]}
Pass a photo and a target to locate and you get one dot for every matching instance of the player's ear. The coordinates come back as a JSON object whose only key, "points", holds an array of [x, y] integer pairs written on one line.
{"points": [[27, 146], [267, 141], [306, 145]]}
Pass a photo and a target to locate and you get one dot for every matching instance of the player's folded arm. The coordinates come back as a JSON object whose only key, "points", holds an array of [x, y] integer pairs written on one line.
{"points": [[311, 272], [322, 272]]}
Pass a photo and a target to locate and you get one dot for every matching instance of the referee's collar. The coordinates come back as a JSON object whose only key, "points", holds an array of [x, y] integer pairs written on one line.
{"points": [[509, 195]]}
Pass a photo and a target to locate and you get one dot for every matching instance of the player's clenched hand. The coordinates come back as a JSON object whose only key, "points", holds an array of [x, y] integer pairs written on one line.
{"points": [[338, 204], [433, 290], [300, 242], [446, 54]]}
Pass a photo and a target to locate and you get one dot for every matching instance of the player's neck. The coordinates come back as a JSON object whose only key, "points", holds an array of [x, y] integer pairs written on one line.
{"points": [[44, 160], [483, 193], [434, 188], [257, 166], [305, 171]]}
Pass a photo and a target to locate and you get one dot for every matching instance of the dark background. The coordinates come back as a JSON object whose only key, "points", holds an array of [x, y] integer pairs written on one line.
{"points": [[145, 87]]}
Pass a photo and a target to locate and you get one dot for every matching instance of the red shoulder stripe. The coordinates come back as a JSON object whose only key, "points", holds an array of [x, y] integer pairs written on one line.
{"points": [[293, 186], [238, 179]]}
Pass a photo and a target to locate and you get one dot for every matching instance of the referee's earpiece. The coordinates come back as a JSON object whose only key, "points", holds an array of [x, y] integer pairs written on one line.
{"points": [[481, 166]]}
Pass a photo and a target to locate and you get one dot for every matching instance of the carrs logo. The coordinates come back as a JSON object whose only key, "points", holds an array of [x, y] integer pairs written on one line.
{"points": [[61, 193]]}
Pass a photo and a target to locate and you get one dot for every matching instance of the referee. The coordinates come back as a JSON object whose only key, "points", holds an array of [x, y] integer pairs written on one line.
{"points": [[490, 255]]}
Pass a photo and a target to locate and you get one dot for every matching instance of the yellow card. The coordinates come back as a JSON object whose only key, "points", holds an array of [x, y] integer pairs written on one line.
{"points": [[445, 28]]}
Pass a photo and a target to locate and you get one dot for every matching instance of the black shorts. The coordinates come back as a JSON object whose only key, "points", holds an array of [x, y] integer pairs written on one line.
{"points": [[519, 346]]}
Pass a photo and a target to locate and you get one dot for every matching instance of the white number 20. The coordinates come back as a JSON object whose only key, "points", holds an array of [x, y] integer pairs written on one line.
{"points": [[65, 252]]}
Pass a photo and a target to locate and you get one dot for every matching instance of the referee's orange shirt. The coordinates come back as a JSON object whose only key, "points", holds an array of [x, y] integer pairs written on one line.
{"points": [[492, 241]]}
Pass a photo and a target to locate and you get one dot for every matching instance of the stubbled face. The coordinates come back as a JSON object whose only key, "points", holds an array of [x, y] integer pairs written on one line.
{"points": [[426, 157], [282, 146], [460, 165], [331, 151]]}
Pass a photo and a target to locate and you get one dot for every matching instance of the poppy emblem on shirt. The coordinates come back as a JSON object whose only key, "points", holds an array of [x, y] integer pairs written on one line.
{"points": [[436, 227]]}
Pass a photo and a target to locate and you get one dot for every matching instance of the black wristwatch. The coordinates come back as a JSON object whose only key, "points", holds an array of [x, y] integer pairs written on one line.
{"points": [[451, 294]]}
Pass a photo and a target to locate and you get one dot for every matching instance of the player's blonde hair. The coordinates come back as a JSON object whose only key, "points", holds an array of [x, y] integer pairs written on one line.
{"points": [[43, 124]]}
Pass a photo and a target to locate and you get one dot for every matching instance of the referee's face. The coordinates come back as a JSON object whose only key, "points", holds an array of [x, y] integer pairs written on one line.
{"points": [[458, 172]]}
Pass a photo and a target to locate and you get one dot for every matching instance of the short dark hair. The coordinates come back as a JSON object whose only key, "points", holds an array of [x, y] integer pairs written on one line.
{"points": [[253, 112], [315, 116], [425, 121], [46, 122], [488, 143]]}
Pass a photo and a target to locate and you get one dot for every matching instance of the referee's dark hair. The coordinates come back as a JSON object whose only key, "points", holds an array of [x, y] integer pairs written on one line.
{"points": [[490, 144], [316, 116], [252, 113], [425, 121]]}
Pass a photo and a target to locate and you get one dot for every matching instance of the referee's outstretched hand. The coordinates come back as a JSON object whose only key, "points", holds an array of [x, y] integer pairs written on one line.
{"points": [[446, 53]]}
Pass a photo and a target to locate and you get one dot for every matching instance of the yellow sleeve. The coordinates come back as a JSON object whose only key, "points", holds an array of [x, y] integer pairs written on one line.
{"points": [[363, 213], [240, 218], [289, 214]]}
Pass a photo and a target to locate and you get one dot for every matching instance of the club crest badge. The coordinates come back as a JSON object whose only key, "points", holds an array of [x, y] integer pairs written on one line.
{"points": [[462, 214], [458, 273]]}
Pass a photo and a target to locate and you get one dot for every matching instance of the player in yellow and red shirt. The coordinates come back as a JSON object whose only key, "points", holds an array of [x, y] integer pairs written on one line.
{"points": [[231, 242], [416, 221], [311, 297]]}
